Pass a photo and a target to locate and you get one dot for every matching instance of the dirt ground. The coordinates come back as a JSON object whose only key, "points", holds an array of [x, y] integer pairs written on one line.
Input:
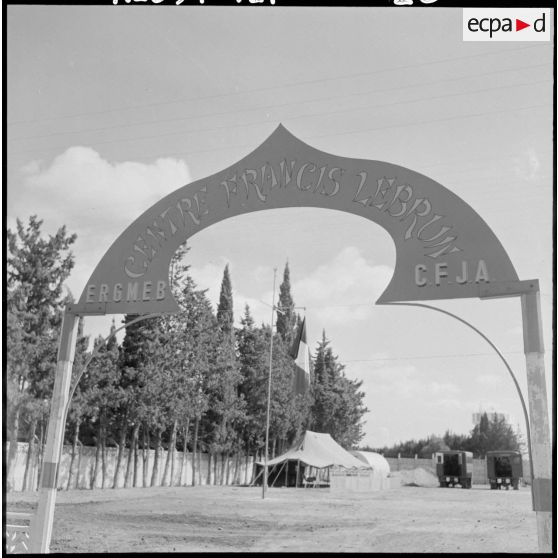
{"points": [[237, 519]]}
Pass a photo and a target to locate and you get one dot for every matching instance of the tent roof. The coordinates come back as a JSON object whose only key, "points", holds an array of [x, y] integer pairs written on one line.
{"points": [[319, 450], [375, 460]]}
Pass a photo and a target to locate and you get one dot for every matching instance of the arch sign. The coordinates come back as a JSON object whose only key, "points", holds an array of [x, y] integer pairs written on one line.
{"points": [[443, 248]]}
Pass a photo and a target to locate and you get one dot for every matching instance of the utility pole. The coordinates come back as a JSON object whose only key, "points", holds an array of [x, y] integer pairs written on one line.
{"points": [[264, 484], [281, 311]]}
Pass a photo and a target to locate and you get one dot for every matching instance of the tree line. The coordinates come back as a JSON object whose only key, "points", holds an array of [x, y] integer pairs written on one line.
{"points": [[191, 381], [489, 434]]}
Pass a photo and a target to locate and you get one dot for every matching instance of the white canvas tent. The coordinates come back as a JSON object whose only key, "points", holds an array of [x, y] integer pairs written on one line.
{"points": [[377, 461], [311, 459], [379, 479]]}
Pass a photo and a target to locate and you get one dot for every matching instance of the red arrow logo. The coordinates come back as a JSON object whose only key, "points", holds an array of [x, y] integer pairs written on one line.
{"points": [[519, 25]]}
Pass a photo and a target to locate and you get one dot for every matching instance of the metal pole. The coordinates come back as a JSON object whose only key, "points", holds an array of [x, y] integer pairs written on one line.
{"points": [[506, 364], [41, 525], [541, 458], [537, 424], [264, 484]]}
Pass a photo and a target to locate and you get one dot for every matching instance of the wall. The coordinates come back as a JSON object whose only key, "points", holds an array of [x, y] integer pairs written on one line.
{"points": [[362, 481], [479, 467], [240, 470]]}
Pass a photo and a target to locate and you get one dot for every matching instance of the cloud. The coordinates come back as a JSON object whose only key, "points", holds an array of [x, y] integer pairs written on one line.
{"points": [[336, 290], [376, 436], [405, 382], [450, 403], [91, 192], [95, 198], [492, 380], [333, 292], [405, 403], [210, 276]]}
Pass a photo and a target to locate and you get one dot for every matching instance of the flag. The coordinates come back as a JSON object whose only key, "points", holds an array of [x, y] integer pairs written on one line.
{"points": [[301, 355]]}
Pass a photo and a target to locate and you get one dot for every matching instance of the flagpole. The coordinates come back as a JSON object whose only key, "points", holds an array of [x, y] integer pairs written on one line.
{"points": [[264, 484]]}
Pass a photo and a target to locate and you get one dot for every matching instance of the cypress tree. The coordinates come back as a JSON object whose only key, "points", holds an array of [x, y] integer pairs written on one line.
{"points": [[225, 405], [225, 316], [286, 318], [338, 402]]}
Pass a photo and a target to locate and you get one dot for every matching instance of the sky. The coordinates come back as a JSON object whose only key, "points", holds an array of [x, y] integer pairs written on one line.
{"points": [[110, 108]]}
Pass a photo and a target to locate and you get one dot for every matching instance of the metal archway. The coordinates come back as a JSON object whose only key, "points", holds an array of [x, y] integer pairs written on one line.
{"points": [[444, 250]]}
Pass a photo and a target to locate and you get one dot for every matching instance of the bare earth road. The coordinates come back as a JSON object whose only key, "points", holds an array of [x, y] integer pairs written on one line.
{"points": [[236, 519]]}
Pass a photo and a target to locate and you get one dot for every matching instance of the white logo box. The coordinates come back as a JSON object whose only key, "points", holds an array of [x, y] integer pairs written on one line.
{"points": [[507, 24]]}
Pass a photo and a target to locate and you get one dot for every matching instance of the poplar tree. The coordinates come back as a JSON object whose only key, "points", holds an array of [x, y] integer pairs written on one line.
{"points": [[78, 404], [190, 337], [135, 355], [489, 434], [37, 268], [202, 334], [253, 350], [492, 434], [103, 398]]}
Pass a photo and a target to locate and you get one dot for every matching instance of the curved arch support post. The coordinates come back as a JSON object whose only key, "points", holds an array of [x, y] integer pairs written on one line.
{"points": [[540, 447], [41, 524], [536, 421], [541, 457], [63, 391]]}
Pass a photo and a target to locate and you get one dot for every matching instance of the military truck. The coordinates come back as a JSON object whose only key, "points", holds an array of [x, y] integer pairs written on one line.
{"points": [[454, 467], [504, 469]]}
